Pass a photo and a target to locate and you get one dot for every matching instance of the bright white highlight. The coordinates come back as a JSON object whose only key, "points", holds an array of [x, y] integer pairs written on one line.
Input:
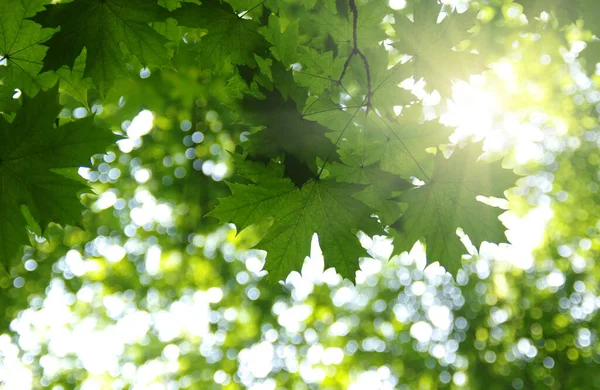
{"points": [[397, 4], [140, 126]]}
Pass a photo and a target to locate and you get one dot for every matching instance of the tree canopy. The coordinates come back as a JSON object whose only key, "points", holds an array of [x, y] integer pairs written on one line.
{"points": [[299, 194]]}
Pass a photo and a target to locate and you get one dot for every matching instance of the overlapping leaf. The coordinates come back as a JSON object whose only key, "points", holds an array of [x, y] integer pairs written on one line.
{"points": [[400, 146], [431, 45], [324, 207], [285, 43], [319, 72], [326, 170], [73, 82], [339, 22], [31, 153], [103, 27], [228, 35], [286, 131], [385, 80], [381, 186], [448, 201]]}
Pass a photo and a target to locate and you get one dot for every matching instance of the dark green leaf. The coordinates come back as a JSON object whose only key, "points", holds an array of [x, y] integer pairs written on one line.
{"points": [[32, 152], [103, 27]]}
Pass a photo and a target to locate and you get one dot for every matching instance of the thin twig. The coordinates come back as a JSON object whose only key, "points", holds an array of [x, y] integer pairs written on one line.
{"points": [[252, 9], [367, 102], [357, 52]]}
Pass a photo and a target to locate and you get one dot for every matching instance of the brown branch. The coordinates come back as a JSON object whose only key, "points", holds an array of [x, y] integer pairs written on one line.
{"points": [[367, 103], [357, 52]]}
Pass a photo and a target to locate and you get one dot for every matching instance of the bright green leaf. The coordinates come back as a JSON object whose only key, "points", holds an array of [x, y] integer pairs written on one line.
{"points": [[448, 201], [431, 45], [21, 51], [323, 207]]}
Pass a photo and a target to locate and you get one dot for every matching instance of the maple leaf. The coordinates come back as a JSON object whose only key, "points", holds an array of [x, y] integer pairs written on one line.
{"points": [[328, 209], [250, 204], [400, 145], [324, 207], [339, 22], [21, 51], [7, 102], [102, 27], [431, 45], [33, 159], [228, 35], [386, 93], [319, 71], [285, 43], [448, 201], [381, 187], [73, 82], [286, 131]]}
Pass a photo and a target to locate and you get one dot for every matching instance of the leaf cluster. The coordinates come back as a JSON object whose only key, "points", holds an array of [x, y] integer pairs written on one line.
{"points": [[335, 143]]}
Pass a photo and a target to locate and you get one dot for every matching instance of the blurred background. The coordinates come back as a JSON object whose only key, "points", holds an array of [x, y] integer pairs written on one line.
{"points": [[150, 294]]}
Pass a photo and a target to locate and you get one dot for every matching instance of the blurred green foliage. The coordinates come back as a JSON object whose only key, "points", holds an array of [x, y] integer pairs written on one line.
{"points": [[149, 292]]}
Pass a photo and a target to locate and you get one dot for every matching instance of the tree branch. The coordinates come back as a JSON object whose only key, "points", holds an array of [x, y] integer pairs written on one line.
{"points": [[357, 52]]}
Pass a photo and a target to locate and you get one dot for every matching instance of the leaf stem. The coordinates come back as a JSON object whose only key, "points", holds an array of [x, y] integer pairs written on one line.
{"points": [[251, 9]]}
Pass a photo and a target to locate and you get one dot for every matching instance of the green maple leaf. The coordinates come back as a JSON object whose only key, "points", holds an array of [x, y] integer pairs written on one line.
{"points": [[402, 145], [285, 43], [228, 35], [340, 24], [324, 207], [384, 82], [328, 209], [381, 186], [20, 47], [103, 27], [36, 160], [319, 71], [448, 201], [250, 204], [286, 131], [431, 45], [73, 82], [7, 102]]}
